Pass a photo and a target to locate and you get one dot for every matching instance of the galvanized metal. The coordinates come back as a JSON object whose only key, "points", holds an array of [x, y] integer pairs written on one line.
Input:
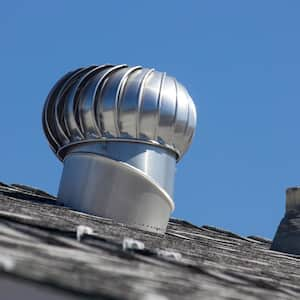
{"points": [[112, 189], [108, 103], [119, 131], [157, 163]]}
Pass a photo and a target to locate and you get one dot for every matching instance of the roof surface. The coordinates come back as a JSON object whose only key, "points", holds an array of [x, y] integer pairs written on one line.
{"points": [[42, 246]]}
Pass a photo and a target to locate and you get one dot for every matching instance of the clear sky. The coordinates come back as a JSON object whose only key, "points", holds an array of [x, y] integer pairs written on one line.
{"points": [[240, 61]]}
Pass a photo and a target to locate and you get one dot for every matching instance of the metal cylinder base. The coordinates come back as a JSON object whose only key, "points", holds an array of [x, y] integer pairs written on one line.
{"points": [[102, 186]]}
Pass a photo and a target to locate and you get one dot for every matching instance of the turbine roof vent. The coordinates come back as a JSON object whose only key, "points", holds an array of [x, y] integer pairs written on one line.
{"points": [[119, 131], [113, 103]]}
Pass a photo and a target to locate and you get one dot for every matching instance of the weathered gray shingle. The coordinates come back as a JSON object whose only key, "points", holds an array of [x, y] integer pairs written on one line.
{"points": [[39, 245]]}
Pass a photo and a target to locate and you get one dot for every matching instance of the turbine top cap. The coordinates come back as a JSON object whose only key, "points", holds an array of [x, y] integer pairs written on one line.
{"points": [[119, 103]]}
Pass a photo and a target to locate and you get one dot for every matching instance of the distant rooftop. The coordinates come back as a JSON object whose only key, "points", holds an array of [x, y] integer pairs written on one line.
{"points": [[51, 252]]}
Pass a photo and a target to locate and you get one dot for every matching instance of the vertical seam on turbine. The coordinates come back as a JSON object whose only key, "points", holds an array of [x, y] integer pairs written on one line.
{"points": [[187, 123], [78, 100], [175, 114], [49, 106], [159, 105], [72, 110], [61, 92], [120, 90], [140, 102], [193, 132], [97, 105]]}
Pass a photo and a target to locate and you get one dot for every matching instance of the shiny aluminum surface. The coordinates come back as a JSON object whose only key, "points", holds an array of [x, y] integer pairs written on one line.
{"points": [[119, 131], [157, 163], [119, 103], [102, 186]]}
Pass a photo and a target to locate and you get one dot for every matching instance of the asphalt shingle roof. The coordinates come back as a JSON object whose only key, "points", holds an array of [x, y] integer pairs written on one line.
{"points": [[87, 257]]}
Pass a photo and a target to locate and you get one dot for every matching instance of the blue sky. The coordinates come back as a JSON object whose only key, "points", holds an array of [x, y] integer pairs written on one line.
{"points": [[240, 61]]}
